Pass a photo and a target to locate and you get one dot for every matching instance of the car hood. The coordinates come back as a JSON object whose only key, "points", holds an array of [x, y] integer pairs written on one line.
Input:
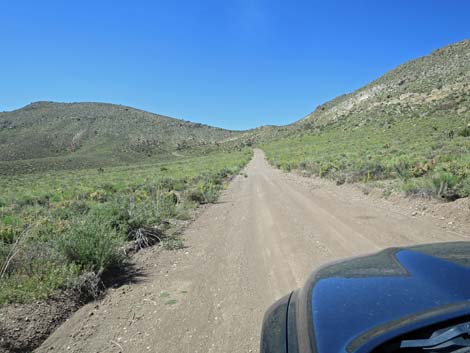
{"points": [[355, 304]]}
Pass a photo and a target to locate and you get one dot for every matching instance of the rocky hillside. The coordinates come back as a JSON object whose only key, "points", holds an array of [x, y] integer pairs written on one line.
{"points": [[435, 84], [47, 135], [410, 129]]}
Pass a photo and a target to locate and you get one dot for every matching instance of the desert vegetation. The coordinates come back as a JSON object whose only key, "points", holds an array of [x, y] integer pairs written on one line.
{"points": [[426, 156], [408, 130], [72, 230]]}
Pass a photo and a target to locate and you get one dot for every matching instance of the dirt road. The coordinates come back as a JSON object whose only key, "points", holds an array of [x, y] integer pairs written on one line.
{"points": [[262, 240]]}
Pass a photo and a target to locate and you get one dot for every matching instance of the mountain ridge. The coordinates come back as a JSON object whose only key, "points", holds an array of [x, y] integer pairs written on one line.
{"points": [[445, 69], [96, 134], [99, 134]]}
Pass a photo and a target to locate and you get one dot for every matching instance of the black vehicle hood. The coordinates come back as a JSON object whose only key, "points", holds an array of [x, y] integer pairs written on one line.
{"points": [[353, 305]]}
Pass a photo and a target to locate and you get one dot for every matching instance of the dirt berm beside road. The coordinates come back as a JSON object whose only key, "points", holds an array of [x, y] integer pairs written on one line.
{"points": [[262, 240]]}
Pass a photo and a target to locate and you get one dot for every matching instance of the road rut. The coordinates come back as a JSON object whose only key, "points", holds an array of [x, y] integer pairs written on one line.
{"points": [[261, 241]]}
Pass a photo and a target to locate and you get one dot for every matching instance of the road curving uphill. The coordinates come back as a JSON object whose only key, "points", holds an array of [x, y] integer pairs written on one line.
{"points": [[261, 241]]}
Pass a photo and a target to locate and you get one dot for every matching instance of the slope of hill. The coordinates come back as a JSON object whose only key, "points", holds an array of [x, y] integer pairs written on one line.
{"points": [[437, 83], [411, 125], [45, 135]]}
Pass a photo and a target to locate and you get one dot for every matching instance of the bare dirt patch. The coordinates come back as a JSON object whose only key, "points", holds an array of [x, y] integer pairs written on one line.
{"points": [[24, 326], [451, 216]]}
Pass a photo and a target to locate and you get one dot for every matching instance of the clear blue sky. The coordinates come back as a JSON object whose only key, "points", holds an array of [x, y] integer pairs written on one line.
{"points": [[233, 64]]}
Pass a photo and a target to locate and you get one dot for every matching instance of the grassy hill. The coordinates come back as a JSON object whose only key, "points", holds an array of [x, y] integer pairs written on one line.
{"points": [[410, 126], [47, 135]]}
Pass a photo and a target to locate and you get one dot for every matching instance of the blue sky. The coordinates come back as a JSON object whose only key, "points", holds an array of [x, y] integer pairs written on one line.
{"points": [[233, 64]]}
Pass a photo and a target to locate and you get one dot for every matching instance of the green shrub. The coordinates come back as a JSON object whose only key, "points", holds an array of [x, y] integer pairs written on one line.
{"points": [[10, 220], [4, 251], [150, 212], [115, 214], [8, 234], [204, 192], [129, 214], [48, 229], [93, 245], [165, 205], [444, 185], [372, 170], [99, 195], [72, 208], [109, 188], [196, 195], [210, 191], [287, 167], [401, 166], [464, 187], [422, 187], [222, 174], [465, 132]]}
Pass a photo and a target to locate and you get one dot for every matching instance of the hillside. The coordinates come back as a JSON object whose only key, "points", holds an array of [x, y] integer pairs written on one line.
{"points": [[48, 135], [412, 126], [435, 84]]}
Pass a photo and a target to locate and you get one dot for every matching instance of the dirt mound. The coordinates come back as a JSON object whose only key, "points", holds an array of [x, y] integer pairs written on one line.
{"points": [[23, 327]]}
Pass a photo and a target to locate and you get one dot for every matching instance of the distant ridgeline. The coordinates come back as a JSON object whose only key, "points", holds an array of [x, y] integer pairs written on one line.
{"points": [[47, 135]]}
